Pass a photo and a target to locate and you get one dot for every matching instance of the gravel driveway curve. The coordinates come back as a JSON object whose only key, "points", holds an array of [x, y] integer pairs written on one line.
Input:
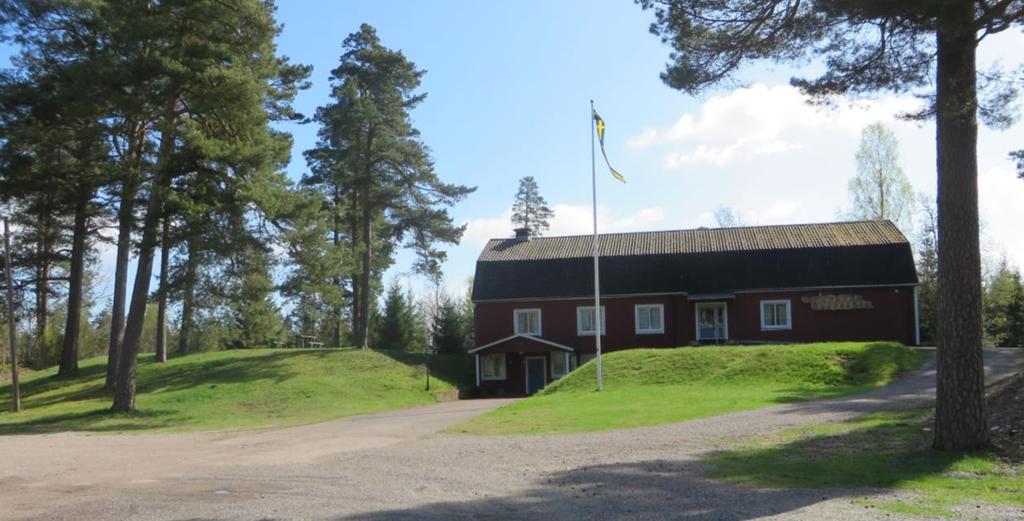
{"points": [[395, 466]]}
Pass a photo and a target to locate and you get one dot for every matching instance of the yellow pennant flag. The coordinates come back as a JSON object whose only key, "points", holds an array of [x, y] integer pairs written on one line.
{"points": [[599, 122]]}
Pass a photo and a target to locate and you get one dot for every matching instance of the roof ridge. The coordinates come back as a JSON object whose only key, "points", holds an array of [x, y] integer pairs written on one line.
{"points": [[707, 228], [773, 237]]}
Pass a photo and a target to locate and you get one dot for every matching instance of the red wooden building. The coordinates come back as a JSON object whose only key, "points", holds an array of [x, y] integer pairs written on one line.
{"points": [[759, 284]]}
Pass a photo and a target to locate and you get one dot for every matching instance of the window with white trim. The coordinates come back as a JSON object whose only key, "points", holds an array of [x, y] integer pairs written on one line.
{"points": [[585, 321], [492, 367], [776, 314], [559, 364], [527, 322], [650, 319]]}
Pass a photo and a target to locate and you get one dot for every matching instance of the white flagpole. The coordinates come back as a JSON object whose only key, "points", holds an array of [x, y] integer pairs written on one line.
{"points": [[597, 278]]}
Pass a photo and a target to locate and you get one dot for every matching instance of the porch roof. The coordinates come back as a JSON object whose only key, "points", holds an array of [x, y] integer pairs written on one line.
{"points": [[542, 342]]}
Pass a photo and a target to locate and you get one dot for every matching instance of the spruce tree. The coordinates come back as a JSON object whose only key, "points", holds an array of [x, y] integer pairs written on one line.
{"points": [[450, 328], [530, 210], [397, 327]]}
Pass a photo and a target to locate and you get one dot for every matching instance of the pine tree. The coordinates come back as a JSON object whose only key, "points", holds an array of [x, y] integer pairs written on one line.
{"points": [[530, 210], [225, 84], [382, 185], [927, 47]]}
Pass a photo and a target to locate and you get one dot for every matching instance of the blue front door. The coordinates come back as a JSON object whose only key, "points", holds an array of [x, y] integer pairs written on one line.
{"points": [[536, 374]]}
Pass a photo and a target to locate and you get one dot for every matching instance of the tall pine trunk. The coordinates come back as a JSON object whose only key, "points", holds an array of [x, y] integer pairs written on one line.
{"points": [[42, 300], [161, 312], [69, 349], [125, 223], [124, 392], [363, 340], [960, 419], [188, 297]]}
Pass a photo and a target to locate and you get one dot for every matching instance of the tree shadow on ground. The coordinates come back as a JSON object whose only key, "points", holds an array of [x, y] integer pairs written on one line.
{"points": [[861, 458], [96, 420], [658, 489], [168, 378]]}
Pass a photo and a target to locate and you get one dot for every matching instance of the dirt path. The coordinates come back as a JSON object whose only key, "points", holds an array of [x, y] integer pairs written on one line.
{"points": [[393, 466]]}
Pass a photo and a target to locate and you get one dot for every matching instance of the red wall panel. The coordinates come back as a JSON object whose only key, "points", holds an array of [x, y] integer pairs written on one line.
{"points": [[890, 318]]}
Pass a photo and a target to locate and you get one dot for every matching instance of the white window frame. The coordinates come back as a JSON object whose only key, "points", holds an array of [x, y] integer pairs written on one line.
{"points": [[515, 321], [504, 367], [579, 321], [636, 319], [789, 315], [568, 366]]}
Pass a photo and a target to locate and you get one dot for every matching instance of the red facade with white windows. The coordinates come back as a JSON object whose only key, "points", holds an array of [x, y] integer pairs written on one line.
{"points": [[524, 343]]}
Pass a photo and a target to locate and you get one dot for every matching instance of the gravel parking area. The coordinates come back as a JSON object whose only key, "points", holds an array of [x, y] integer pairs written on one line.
{"points": [[395, 466]]}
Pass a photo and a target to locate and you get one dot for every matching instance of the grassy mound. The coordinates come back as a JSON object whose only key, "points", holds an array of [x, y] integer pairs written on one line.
{"points": [[652, 386], [233, 389], [804, 365]]}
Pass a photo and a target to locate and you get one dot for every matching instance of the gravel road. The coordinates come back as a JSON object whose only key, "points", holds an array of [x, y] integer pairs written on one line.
{"points": [[396, 466]]}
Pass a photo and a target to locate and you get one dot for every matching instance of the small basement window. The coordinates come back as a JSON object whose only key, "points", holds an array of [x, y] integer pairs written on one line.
{"points": [[492, 367], [650, 319], [585, 321], [527, 322], [559, 365], [776, 314]]}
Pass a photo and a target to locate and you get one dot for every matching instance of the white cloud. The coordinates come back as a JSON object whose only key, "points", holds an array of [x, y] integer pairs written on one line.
{"points": [[999, 195], [642, 140], [569, 219], [760, 120]]}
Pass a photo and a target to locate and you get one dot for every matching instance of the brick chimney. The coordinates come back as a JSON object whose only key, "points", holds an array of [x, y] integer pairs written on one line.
{"points": [[522, 234]]}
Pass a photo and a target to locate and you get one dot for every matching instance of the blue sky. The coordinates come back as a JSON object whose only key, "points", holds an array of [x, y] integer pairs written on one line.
{"points": [[509, 86]]}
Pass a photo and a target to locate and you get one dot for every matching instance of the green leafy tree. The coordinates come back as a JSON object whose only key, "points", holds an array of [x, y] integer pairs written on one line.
{"points": [[881, 46], [927, 270], [880, 189], [530, 210], [382, 185]]}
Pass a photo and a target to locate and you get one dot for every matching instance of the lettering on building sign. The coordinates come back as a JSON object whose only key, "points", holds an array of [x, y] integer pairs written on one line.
{"points": [[837, 302]]}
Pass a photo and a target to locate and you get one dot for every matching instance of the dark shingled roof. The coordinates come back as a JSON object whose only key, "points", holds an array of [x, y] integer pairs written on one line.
{"points": [[697, 261]]}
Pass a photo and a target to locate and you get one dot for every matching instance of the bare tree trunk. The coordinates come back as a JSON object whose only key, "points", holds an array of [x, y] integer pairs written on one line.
{"points": [[960, 417], [69, 350], [336, 240], [124, 393], [42, 301], [125, 223], [363, 340], [161, 313], [188, 298]]}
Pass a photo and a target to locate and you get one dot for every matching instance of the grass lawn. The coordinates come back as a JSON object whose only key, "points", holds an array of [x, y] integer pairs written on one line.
{"points": [[232, 389], [883, 450], [652, 386]]}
